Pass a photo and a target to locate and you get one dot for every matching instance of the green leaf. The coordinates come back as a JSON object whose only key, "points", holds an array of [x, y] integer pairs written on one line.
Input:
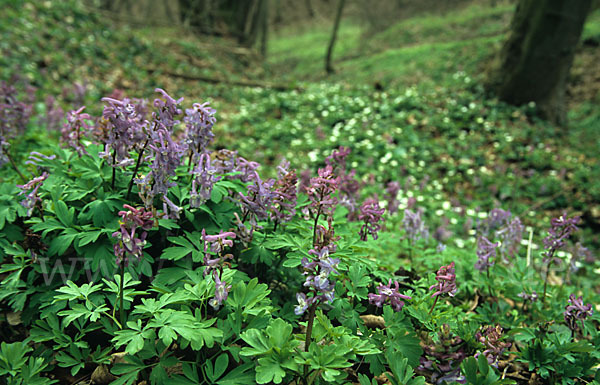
{"points": [[89, 237], [269, 370], [221, 365], [64, 215], [175, 253]]}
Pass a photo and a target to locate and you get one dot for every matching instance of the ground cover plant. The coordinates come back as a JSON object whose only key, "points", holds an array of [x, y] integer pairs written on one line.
{"points": [[328, 233], [137, 237]]}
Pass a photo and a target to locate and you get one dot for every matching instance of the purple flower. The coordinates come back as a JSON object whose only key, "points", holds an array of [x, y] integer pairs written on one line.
{"points": [[442, 358], [221, 292], [510, 237], [259, 199], [576, 311], [496, 218], [128, 241], [337, 159], [283, 207], [167, 110], [413, 225], [14, 116], [560, 230], [387, 294], [491, 338], [326, 238], [218, 241], [533, 297], [392, 190], [199, 122], [73, 130], [126, 129], [303, 303], [321, 190], [370, 214], [486, 252], [35, 158], [203, 182], [31, 199], [446, 278]]}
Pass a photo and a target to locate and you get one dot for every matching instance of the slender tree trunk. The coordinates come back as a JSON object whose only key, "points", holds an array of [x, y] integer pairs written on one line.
{"points": [[338, 16], [537, 58], [264, 23]]}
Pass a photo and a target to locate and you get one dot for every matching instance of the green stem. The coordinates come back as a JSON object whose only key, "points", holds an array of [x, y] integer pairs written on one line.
{"points": [[137, 166], [546, 278], [14, 165], [114, 171], [307, 340], [121, 306]]}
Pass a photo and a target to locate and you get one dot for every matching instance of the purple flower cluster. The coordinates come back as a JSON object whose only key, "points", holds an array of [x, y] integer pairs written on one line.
{"points": [[413, 225], [125, 127], [257, 204], [576, 311], [199, 121], [506, 228], [510, 237], [129, 243], [284, 201], [73, 130], [560, 230], [14, 116], [446, 277], [370, 214], [491, 338], [391, 192], [214, 246], [443, 358], [486, 253], [387, 294], [204, 179], [318, 269], [320, 192], [495, 219], [533, 297], [221, 292], [347, 186], [31, 199]]}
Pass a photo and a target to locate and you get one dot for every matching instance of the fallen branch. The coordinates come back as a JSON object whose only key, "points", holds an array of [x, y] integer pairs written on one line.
{"points": [[242, 83]]}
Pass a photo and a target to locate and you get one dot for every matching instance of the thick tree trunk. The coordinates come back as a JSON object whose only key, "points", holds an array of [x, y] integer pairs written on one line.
{"points": [[537, 57], [338, 16]]}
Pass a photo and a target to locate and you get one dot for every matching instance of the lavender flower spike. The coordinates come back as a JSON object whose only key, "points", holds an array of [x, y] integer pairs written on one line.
{"points": [[576, 311], [446, 278], [486, 252], [387, 294], [221, 292], [31, 199], [371, 214]]}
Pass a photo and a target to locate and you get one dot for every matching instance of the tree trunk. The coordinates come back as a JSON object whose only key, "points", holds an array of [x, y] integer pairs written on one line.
{"points": [[264, 28], [338, 16], [537, 57]]}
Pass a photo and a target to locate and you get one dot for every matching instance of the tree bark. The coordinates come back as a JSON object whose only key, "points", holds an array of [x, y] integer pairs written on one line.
{"points": [[537, 57], [338, 16]]}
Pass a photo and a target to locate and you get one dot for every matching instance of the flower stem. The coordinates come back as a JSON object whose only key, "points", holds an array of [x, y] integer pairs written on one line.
{"points": [[121, 307], [14, 165], [307, 340], [434, 303], [137, 165], [309, 325], [546, 278], [114, 158]]}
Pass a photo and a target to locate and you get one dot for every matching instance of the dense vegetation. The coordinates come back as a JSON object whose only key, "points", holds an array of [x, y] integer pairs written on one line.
{"points": [[343, 232]]}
